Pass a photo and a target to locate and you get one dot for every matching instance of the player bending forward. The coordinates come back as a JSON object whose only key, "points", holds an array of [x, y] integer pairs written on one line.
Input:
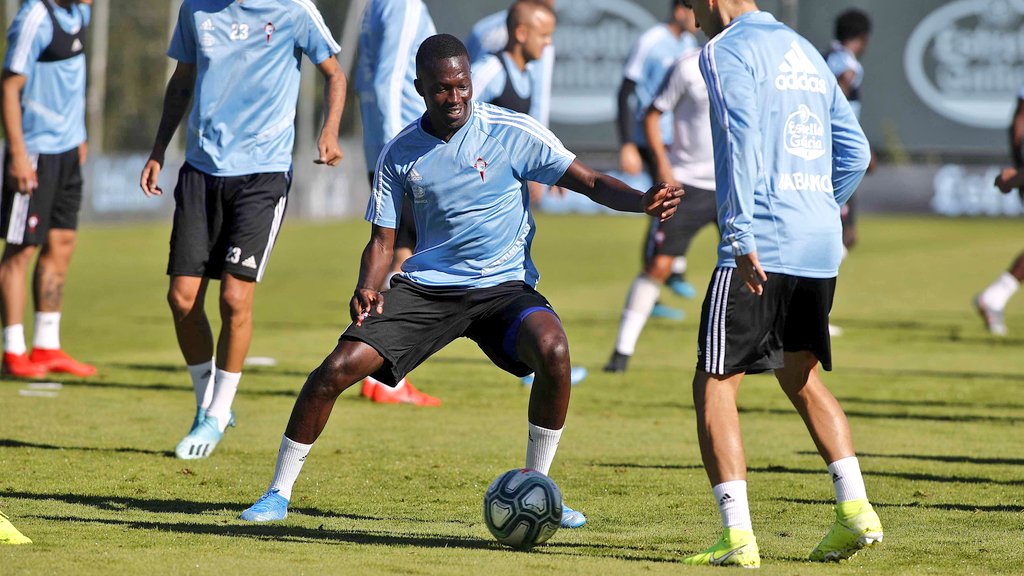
{"points": [[465, 166]]}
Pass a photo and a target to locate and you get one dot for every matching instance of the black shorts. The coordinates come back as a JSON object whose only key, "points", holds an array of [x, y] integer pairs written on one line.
{"points": [[420, 320], [27, 218], [405, 236], [697, 209], [742, 332], [226, 224]]}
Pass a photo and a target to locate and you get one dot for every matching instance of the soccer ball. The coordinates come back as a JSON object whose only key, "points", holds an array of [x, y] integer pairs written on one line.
{"points": [[523, 508]]}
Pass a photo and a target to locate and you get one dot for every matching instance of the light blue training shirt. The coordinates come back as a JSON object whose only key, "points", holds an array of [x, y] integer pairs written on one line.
{"points": [[247, 57], [649, 61], [53, 100], [489, 36], [789, 151], [489, 78], [472, 209], [841, 60], [392, 31]]}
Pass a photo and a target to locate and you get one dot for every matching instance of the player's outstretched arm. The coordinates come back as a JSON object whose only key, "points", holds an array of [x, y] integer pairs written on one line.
{"points": [[373, 267], [335, 86], [176, 102], [661, 200]]}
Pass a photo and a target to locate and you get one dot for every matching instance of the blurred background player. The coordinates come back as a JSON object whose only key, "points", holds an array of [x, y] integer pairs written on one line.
{"points": [[392, 31], [768, 303], [646, 66], [241, 71], [688, 162], [42, 189], [992, 301]]}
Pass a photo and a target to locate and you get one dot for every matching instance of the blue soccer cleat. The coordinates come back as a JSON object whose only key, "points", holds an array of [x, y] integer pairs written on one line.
{"points": [[681, 287], [201, 415], [270, 507], [200, 442], [576, 375], [572, 518], [667, 313]]}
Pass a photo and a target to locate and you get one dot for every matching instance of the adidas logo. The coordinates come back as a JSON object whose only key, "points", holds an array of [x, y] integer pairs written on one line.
{"points": [[414, 176], [249, 262], [836, 477], [725, 499], [76, 46], [799, 73], [207, 25]]}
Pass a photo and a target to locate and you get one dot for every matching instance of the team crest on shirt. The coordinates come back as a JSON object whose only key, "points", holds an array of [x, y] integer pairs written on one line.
{"points": [[269, 30], [480, 166]]}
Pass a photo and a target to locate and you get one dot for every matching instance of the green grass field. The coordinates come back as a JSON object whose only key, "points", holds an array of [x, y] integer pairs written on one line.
{"points": [[935, 403]]}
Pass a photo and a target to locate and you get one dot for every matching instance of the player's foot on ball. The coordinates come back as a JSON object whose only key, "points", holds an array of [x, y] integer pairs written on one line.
{"points": [[200, 442], [993, 318], [572, 518], [270, 507], [667, 313], [856, 527], [9, 534], [406, 394], [681, 287], [737, 547], [617, 363], [56, 360], [21, 366], [576, 375]]}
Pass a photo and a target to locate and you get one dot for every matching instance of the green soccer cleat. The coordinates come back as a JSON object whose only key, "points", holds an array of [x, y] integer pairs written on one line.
{"points": [[857, 526], [737, 547], [9, 534]]}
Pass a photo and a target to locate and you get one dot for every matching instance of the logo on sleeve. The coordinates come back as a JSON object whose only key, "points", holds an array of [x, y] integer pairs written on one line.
{"points": [[804, 135], [799, 73]]}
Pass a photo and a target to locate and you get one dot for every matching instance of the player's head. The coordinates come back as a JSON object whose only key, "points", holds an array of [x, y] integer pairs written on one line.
{"points": [[531, 26], [713, 15], [853, 28], [682, 16], [443, 79]]}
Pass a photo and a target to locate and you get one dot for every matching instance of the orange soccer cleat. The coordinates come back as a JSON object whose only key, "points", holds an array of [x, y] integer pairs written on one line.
{"points": [[20, 366], [379, 392], [58, 361]]}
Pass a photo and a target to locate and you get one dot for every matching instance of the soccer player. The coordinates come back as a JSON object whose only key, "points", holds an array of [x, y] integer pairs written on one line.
{"points": [[649, 61], [239, 65], [689, 161], [44, 120], [465, 165], [504, 78], [992, 301], [8, 533], [392, 31], [789, 152]]}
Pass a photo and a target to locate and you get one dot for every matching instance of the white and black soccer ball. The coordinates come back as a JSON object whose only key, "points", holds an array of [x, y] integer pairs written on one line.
{"points": [[523, 508]]}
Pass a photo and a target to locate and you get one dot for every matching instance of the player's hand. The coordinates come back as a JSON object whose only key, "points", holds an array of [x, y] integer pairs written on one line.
{"points": [[364, 303], [150, 173], [750, 272], [665, 175], [83, 153], [1008, 180], [629, 159], [22, 174], [662, 200], [330, 151]]}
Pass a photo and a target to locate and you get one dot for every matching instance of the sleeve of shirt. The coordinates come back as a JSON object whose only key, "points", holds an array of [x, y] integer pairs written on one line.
{"points": [[672, 90], [535, 153], [385, 205], [30, 33], [488, 79], [851, 152], [837, 63], [312, 35], [183, 42], [400, 22], [542, 73], [733, 94], [634, 69]]}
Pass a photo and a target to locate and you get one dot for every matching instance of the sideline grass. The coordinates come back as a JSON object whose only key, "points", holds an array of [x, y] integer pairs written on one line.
{"points": [[935, 405]]}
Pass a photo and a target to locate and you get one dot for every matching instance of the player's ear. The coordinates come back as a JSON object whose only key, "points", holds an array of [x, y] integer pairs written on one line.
{"points": [[521, 34], [419, 86]]}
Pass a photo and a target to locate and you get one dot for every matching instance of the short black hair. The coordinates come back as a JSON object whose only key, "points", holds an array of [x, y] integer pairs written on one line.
{"points": [[439, 47], [852, 24]]}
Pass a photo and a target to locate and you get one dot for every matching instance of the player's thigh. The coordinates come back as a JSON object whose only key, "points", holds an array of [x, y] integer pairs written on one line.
{"points": [[696, 210], [252, 222], [198, 217], [806, 326], [516, 328], [26, 217], [67, 201]]}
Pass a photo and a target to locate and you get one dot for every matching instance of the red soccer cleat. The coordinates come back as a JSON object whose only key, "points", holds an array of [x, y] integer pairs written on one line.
{"points": [[20, 366], [382, 393], [58, 361]]}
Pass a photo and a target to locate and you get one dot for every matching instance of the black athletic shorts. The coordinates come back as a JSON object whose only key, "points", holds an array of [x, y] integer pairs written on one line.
{"points": [[405, 236], [420, 320], [26, 218], [697, 208], [743, 332], [226, 224]]}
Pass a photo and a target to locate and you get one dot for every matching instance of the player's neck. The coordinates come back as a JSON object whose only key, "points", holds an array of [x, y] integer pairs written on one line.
{"points": [[65, 4], [733, 10], [518, 57]]}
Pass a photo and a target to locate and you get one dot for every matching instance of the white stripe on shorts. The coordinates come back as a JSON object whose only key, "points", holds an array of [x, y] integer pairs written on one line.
{"points": [[19, 216], [274, 229], [714, 339]]}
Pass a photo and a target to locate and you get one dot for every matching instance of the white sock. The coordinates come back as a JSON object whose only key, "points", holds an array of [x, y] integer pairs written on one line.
{"points": [[999, 292], [679, 265], [847, 479], [47, 331], [202, 382], [225, 384], [643, 295], [732, 504], [290, 458], [14, 339], [541, 448]]}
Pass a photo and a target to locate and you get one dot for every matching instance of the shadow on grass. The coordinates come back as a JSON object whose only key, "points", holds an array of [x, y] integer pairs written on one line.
{"points": [[927, 403], [163, 387], [8, 443], [1011, 508], [933, 374], [951, 459], [888, 416]]}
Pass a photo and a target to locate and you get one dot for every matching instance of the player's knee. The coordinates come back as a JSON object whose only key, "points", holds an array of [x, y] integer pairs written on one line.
{"points": [[553, 350], [236, 301], [333, 376], [182, 302]]}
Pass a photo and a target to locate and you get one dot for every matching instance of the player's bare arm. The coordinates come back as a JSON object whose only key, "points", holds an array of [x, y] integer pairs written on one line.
{"points": [[661, 200], [652, 130], [373, 267], [335, 86], [176, 102], [1009, 179], [20, 169], [629, 154]]}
